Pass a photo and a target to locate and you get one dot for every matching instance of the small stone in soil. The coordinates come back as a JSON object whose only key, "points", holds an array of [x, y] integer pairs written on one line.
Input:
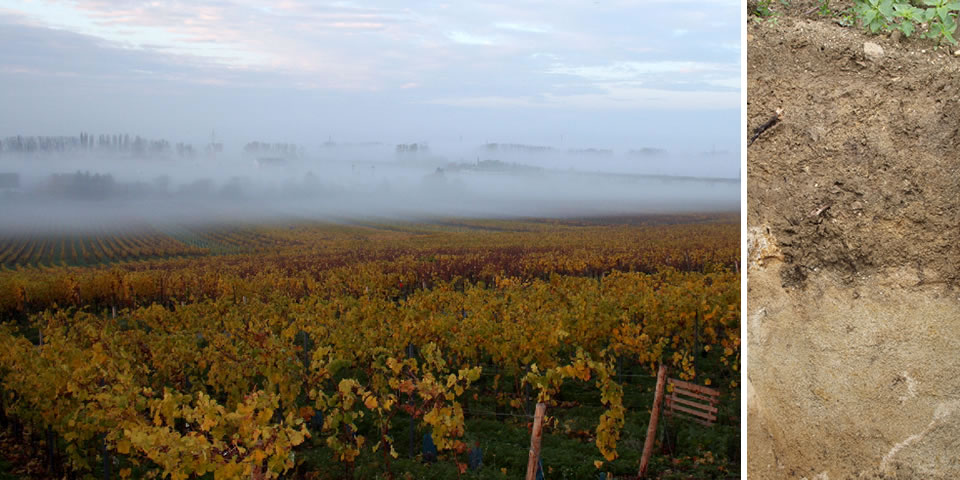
{"points": [[872, 51]]}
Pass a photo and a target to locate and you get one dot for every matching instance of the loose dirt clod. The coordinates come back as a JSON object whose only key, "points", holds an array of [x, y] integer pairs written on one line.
{"points": [[872, 51]]}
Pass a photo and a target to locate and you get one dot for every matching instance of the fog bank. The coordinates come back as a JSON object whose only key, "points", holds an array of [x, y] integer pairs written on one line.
{"points": [[99, 191]]}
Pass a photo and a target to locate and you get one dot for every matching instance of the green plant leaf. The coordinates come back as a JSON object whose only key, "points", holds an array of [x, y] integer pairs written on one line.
{"points": [[943, 13], [886, 8], [907, 12]]}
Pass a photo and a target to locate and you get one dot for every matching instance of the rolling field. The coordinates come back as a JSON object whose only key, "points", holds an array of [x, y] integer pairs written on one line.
{"points": [[371, 349], [145, 243]]}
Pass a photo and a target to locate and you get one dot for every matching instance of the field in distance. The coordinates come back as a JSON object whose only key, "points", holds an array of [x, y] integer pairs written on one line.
{"points": [[371, 349]]}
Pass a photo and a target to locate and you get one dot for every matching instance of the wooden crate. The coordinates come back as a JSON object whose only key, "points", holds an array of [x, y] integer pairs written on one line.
{"points": [[692, 401]]}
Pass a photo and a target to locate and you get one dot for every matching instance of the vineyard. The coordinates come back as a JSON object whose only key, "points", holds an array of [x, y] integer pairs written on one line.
{"points": [[370, 350], [106, 246]]}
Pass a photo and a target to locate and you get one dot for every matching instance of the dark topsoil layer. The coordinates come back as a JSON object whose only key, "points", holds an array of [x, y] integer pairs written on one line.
{"points": [[862, 172]]}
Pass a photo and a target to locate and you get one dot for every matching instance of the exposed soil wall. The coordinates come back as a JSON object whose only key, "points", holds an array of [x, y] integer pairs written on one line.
{"points": [[854, 215]]}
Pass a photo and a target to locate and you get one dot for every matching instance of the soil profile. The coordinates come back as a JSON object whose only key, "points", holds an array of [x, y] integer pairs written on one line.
{"points": [[854, 252]]}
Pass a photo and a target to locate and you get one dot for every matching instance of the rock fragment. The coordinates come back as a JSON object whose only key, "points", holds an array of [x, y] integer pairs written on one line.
{"points": [[872, 51]]}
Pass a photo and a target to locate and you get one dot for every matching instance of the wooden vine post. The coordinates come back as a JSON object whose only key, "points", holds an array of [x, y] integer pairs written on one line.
{"points": [[654, 416], [411, 353], [105, 454], [535, 436]]}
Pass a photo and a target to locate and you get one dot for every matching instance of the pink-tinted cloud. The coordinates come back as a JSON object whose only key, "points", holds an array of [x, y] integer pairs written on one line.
{"points": [[463, 50]]}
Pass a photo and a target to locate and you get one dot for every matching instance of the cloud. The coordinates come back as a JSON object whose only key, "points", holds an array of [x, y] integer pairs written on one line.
{"points": [[728, 82], [491, 101], [346, 45], [546, 55], [46, 51], [647, 3], [615, 98], [522, 27], [645, 79], [635, 70], [469, 39], [356, 25], [349, 64]]}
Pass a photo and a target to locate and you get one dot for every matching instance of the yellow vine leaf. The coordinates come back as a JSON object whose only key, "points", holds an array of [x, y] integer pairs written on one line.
{"points": [[259, 456], [123, 446]]}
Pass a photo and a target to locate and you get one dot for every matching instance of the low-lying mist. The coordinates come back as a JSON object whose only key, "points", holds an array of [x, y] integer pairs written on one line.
{"points": [[79, 191]]}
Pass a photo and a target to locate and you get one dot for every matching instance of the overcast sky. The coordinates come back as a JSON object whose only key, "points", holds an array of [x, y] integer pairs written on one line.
{"points": [[607, 73]]}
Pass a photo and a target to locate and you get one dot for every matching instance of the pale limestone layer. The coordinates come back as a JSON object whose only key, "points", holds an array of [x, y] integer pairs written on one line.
{"points": [[851, 381]]}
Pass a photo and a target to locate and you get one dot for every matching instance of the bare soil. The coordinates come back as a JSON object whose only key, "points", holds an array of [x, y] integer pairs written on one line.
{"points": [[854, 215]]}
